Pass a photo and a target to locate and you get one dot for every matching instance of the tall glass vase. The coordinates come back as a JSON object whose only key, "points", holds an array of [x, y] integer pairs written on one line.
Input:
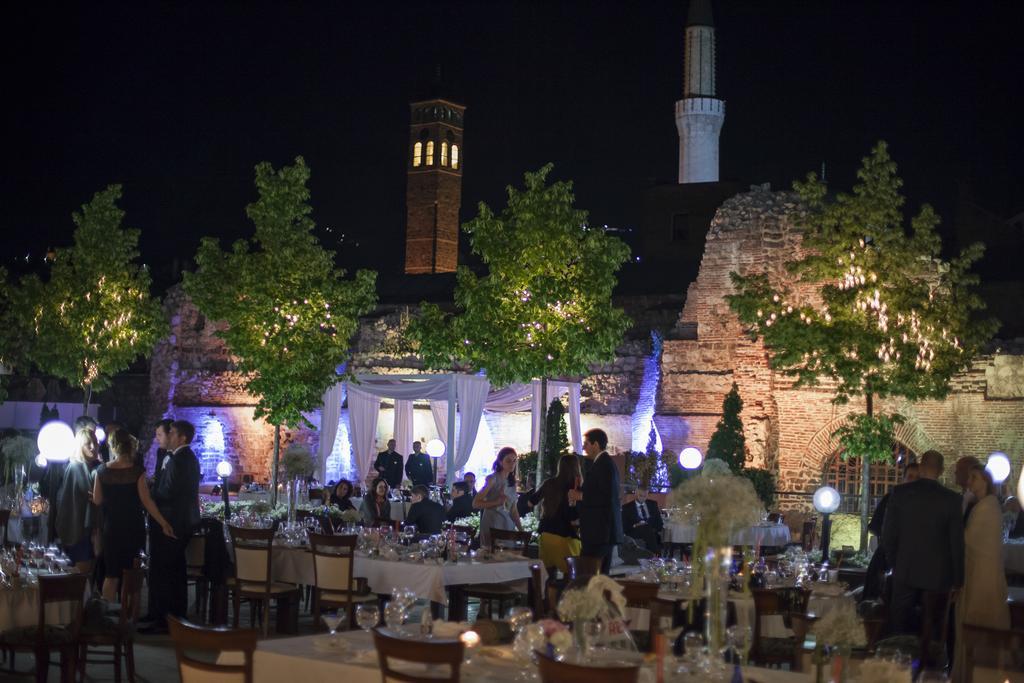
{"points": [[293, 499], [717, 564]]}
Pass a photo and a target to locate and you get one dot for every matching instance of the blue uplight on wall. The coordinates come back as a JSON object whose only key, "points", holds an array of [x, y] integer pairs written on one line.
{"points": [[643, 417]]}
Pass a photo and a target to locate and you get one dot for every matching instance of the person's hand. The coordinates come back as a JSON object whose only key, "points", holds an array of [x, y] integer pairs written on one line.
{"points": [[167, 529], [575, 496]]}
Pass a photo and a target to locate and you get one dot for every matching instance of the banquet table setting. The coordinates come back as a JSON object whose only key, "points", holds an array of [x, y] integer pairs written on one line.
{"points": [[767, 534], [19, 587]]}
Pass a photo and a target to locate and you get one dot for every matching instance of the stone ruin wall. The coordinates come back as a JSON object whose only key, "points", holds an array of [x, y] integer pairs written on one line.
{"points": [[787, 429]]}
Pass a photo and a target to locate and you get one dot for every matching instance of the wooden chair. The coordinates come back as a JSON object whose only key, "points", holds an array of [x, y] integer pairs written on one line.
{"points": [[784, 602], [488, 593], [390, 646], [116, 633], [553, 671], [642, 612], [253, 581], [189, 638], [993, 649], [43, 638], [334, 585], [195, 561]]}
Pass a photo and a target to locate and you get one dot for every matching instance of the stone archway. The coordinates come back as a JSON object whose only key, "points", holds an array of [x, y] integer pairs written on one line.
{"points": [[822, 446]]}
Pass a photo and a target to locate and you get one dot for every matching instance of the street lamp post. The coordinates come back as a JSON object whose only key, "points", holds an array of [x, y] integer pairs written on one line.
{"points": [[826, 501], [224, 472], [436, 450]]}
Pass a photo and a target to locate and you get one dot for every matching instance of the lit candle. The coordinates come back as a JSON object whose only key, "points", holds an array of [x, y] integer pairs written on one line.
{"points": [[470, 641]]}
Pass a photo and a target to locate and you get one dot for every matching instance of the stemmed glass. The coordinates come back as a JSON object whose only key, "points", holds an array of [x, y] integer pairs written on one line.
{"points": [[518, 618], [394, 615], [332, 620], [740, 639], [367, 616]]}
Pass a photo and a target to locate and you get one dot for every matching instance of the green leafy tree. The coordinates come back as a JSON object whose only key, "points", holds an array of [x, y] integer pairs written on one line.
{"points": [[544, 309], [874, 309], [557, 442], [727, 442], [289, 312], [14, 337], [95, 315]]}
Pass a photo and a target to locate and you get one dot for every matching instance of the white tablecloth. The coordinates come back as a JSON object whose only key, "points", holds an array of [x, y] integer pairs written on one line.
{"points": [[295, 659], [398, 508], [295, 565], [765, 535], [20, 607], [1013, 556]]}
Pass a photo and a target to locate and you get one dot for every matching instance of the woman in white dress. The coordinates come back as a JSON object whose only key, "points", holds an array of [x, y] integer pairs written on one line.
{"points": [[983, 599]]}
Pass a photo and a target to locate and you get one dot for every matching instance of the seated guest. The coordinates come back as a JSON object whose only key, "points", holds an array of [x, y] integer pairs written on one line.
{"points": [[641, 519], [426, 515], [462, 502], [376, 508], [342, 495], [470, 480]]}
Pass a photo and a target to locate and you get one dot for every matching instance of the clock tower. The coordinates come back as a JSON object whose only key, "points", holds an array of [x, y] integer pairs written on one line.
{"points": [[433, 192]]}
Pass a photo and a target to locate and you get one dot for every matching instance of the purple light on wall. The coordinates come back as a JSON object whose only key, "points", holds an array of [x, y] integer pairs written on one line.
{"points": [[210, 449], [643, 416]]}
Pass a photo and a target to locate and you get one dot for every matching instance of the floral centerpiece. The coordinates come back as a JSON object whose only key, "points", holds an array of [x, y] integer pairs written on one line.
{"points": [[601, 600], [840, 629], [719, 504]]}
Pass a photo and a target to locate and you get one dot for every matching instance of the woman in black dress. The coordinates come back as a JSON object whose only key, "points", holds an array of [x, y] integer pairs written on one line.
{"points": [[121, 492], [342, 495]]}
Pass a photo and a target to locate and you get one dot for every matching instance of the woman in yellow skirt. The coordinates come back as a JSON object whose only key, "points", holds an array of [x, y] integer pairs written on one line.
{"points": [[558, 528]]}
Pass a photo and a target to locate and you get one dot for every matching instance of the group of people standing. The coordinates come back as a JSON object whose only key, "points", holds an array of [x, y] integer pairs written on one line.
{"points": [[98, 505], [935, 541]]}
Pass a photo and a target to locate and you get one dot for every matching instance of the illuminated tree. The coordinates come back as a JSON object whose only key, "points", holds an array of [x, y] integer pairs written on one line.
{"points": [[875, 310], [95, 315], [289, 313], [544, 309]]}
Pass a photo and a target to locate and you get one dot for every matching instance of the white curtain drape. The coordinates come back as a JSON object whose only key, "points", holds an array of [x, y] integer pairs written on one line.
{"points": [[472, 394], [330, 413], [403, 429], [439, 409], [363, 410], [555, 390]]}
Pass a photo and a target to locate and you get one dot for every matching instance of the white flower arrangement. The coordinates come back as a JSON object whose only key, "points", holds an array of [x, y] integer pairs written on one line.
{"points": [[715, 467], [719, 502], [350, 516], [840, 627], [470, 521], [584, 604], [297, 462]]}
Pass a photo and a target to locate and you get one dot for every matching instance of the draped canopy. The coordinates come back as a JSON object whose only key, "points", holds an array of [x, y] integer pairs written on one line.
{"points": [[450, 395]]}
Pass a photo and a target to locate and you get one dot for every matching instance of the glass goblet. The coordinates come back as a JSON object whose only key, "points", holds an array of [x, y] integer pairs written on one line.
{"points": [[518, 617], [394, 615], [332, 620], [367, 616]]}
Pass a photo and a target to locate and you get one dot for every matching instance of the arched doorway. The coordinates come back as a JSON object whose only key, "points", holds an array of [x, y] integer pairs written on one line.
{"points": [[845, 477]]}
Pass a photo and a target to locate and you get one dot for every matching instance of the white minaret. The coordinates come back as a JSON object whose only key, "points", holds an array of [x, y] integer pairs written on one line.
{"points": [[699, 115]]}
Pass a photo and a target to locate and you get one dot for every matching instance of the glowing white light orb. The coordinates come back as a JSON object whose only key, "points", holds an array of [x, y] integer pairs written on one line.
{"points": [[690, 458], [41, 460], [826, 499], [56, 441], [224, 469], [998, 466], [435, 448], [101, 434]]}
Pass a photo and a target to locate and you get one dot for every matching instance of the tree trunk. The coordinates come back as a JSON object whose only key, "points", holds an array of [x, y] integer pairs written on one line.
{"points": [[865, 483], [273, 466], [86, 398], [542, 442]]}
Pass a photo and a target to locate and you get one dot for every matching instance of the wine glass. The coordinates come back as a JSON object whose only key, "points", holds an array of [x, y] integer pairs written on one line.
{"points": [[367, 616], [518, 617], [740, 638], [332, 620], [394, 615]]}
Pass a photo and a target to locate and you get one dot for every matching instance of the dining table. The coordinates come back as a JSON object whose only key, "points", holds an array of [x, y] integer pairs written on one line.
{"points": [[355, 661], [19, 606]]}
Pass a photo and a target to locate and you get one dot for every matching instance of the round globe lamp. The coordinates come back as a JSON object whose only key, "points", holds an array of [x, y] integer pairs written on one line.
{"points": [[436, 450], [998, 466], [101, 434], [224, 470], [56, 441], [690, 458], [826, 501]]}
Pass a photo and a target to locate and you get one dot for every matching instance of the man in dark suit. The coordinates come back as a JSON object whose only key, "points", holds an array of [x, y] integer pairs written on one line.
{"points": [[426, 515], [161, 434], [176, 494], [641, 519], [462, 502], [389, 465], [600, 511], [418, 467], [923, 539]]}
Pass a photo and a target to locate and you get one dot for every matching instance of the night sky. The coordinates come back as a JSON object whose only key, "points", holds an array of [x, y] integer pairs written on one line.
{"points": [[178, 101]]}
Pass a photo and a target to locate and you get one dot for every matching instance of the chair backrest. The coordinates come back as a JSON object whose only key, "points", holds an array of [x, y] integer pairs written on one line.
{"points": [[189, 638], [316, 494], [506, 538], [784, 602], [390, 646], [582, 567], [131, 595], [553, 671], [994, 649], [62, 588], [253, 554], [333, 557], [641, 599], [195, 551], [537, 585]]}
